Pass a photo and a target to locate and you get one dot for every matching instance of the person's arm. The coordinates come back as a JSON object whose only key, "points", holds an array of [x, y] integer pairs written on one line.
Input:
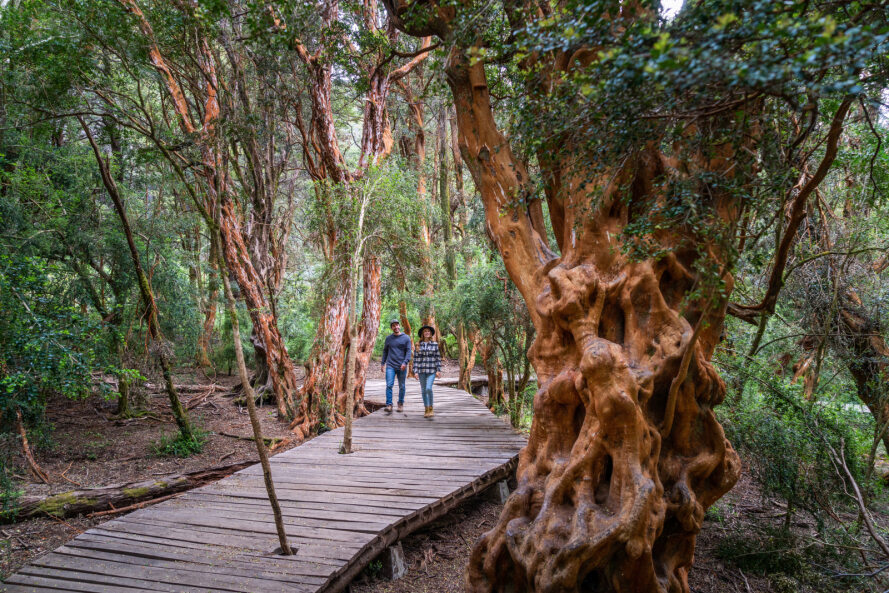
{"points": [[385, 353], [409, 353], [437, 359]]}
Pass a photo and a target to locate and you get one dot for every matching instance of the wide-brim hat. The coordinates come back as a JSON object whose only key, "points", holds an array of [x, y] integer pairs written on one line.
{"points": [[429, 327]]}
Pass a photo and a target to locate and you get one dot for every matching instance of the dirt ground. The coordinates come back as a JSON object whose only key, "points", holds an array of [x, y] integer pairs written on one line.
{"points": [[438, 554]]}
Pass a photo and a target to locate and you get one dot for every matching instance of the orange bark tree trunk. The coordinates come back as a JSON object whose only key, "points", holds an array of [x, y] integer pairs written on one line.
{"points": [[494, 372]]}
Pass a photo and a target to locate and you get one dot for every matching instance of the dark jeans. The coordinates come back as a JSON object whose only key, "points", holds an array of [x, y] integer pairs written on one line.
{"points": [[426, 382], [390, 381]]}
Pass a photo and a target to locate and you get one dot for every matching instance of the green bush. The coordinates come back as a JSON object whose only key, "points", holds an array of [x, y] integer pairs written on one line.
{"points": [[786, 440], [176, 445]]}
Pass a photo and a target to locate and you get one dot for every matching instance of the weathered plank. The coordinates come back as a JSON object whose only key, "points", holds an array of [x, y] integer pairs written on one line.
{"points": [[340, 511]]}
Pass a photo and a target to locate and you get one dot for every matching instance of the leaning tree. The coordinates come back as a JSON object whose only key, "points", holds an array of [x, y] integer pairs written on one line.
{"points": [[660, 135]]}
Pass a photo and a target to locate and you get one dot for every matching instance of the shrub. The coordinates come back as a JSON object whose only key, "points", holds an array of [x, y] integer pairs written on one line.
{"points": [[179, 446]]}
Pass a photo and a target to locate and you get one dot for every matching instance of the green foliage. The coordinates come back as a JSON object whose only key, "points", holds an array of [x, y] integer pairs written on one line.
{"points": [[177, 445], [46, 345], [487, 301], [10, 491], [786, 440], [375, 568], [769, 552]]}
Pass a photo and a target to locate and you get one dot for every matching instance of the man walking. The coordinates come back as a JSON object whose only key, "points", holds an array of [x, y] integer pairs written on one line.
{"points": [[396, 355]]}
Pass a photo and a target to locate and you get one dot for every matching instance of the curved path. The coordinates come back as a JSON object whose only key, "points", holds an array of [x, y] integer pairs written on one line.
{"points": [[340, 511]]}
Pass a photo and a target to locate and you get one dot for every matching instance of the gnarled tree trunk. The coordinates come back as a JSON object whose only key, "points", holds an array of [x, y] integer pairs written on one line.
{"points": [[625, 453]]}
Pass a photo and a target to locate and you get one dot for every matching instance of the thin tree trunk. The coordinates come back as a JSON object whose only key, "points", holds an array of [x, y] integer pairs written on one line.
{"points": [[444, 201], [159, 346], [402, 314], [207, 329], [494, 372], [251, 410], [467, 359], [350, 362]]}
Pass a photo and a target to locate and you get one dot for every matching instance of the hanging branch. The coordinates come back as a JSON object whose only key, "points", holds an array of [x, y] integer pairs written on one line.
{"points": [[751, 313]]}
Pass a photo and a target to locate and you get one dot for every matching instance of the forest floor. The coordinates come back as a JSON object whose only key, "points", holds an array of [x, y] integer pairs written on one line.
{"points": [[88, 447]]}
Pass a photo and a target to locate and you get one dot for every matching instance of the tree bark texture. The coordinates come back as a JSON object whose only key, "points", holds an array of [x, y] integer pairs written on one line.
{"points": [[611, 492]]}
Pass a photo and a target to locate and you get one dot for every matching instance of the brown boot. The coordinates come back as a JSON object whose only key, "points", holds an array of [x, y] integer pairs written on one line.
{"points": [[400, 407], [426, 412], [431, 413]]}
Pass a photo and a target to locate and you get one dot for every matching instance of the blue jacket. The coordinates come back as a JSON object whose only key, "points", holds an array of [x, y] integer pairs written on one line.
{"points": [[396, 351]]}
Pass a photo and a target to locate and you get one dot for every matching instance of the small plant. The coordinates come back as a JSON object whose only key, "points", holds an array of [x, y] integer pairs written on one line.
{"points": [[771, 552], [715, 513], [9, 494], [179, 446], [375, 568]]}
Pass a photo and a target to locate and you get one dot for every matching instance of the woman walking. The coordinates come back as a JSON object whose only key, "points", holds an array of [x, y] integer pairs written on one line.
{"points": [[427, 363]]}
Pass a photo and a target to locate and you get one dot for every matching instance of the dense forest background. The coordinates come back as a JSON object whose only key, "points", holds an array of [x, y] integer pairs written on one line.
{"points": [[316, 156]]}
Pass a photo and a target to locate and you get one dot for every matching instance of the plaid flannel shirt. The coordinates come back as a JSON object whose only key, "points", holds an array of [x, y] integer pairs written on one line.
{"points": [[427, 359]]}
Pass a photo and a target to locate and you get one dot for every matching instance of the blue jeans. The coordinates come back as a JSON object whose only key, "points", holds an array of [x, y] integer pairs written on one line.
{"points": [[426, 381], [390, 381]]}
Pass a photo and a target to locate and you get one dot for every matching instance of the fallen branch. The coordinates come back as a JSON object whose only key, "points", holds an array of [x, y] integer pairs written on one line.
{"points": [[199, 399], [26, 449], [269, 441], [92, 500], [185, 388]]}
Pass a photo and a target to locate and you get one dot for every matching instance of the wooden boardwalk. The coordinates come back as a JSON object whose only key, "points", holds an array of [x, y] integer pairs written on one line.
{"points": [[340, 511]]}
